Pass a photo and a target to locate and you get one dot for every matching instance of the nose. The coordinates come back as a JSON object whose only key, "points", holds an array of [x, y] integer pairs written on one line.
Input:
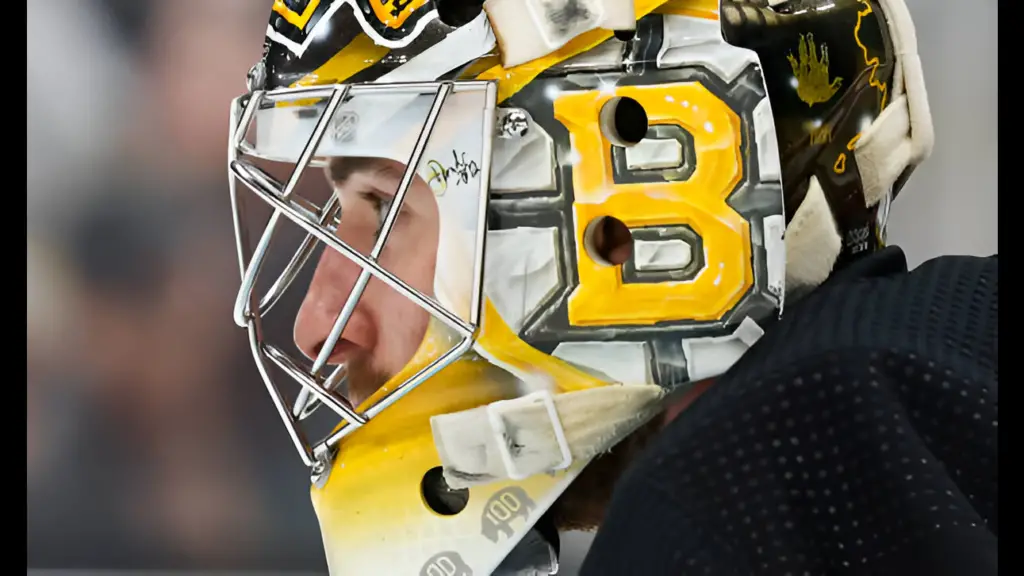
{"points": [[332, 283]]}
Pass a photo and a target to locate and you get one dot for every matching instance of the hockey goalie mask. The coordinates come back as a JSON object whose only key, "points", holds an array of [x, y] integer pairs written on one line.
{"points": [[515, 234]]}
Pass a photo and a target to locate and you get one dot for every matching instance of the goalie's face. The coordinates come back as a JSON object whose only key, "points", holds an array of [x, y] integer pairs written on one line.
{"points": [[386, 327]]}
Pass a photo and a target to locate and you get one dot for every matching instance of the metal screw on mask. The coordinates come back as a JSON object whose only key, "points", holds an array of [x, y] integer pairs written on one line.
{"points": [[320, 471], [256, 78], [513, 123]]}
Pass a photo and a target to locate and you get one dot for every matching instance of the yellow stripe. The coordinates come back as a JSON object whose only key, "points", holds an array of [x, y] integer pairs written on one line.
{"points": [[479, 66], [358, 55], [513, 79], [498, 339], [297, 20], [696, 8]]}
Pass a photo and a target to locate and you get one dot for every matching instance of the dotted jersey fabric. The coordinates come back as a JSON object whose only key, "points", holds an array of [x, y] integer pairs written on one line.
{"points": [[859, 436]]}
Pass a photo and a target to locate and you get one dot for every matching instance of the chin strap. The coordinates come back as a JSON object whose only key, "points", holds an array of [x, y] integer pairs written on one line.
{"points": [[529, 29], [544, 432], [539, 432]]}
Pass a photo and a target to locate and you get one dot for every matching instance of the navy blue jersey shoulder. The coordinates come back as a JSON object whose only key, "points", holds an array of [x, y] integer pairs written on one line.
{"points": [[857, 437]]}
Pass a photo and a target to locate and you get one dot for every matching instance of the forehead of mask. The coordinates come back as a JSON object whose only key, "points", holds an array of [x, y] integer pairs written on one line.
{"points": [[387, 124]]}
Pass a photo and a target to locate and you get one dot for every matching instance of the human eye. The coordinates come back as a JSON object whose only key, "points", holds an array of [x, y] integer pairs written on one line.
{"points": [[380, 205]]}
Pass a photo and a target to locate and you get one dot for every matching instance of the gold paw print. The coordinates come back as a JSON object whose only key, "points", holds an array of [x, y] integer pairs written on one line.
{"points": [[811, 72]]}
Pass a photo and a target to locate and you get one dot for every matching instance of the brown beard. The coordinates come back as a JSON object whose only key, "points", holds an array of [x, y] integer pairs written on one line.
{"points": [[582, 506], [363, 379]]}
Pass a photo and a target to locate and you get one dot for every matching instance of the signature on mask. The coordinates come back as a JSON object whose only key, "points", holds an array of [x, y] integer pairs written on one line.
{"points": [[459, 172]]}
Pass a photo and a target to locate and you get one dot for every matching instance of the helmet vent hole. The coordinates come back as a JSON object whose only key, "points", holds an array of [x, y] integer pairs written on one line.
{"points": [[623, 121], [625, 35], [456, 13], [439, 497], [608, 241]]}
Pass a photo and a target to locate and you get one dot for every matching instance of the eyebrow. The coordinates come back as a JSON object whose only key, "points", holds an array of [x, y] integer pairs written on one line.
{"points": [[340, 169]]}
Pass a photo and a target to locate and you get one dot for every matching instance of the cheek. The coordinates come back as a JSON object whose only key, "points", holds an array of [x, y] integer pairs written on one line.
{"points": [[358, 229], [403, 322], [411, 254], [414, 268]]}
